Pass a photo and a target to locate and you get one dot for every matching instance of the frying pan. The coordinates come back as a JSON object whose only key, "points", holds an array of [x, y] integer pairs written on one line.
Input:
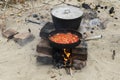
{"points": [[61, 46]]}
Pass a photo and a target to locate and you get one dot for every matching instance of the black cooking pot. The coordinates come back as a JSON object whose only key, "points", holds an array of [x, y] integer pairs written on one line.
{"points": [[61, 46], [66, 17]]}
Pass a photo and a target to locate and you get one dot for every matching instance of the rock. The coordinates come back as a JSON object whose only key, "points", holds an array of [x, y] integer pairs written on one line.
{"points": [[98, 11], [116, 18], [9, 33], [86, 6], [35, 15], [111, 11], [113, 55], [94, 22], [101, 7], [45, 60], [23, 38], [106, 7], [78, 64], [90, 14]]}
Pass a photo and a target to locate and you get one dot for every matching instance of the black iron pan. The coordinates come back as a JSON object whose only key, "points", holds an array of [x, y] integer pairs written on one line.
{"points": [[61, 46]]}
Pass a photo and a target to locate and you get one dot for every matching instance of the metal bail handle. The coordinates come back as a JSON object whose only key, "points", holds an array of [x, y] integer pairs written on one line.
{"points": [[67, 11]]}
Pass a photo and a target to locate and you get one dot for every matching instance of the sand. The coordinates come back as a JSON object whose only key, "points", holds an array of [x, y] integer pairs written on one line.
{"points": [[19, 62]]}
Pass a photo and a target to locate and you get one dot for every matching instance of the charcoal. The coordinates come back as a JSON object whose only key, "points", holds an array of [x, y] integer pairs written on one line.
{"points": [[91, 32], [106, 7], [38, 18], [116, 18], [29, 30], [35, 15], [101, 7], [86, 6], [113, 55], [98, 11], [111, 11]]}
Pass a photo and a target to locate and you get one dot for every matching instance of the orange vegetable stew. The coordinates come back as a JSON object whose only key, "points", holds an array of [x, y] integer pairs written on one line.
{"points": [[64, 38]]}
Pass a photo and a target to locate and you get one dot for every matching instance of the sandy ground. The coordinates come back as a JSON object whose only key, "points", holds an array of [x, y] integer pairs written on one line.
{"points": [[19, 62]]}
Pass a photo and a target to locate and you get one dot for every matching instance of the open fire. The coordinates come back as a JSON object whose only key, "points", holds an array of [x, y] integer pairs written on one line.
{"points": [[67, 57], [62, 57], [64, 39]]}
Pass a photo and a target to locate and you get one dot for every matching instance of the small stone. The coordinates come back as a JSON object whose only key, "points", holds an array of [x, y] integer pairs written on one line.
{"points": [[29, 30], [42, 17], [116, 18], [106, 7], [35, 15], [101, 7], [98, 11], [91, 32], [113, 55], [38, 18], [94, 22], [84, 33], [111, 11], [92, 28], [86, 6]]}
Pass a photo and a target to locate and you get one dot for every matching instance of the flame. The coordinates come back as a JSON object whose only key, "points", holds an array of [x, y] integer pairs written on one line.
{"points": [[67, 55]]}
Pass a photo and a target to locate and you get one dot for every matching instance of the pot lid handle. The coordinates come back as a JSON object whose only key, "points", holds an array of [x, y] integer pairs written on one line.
{"points": [[67, 11]]}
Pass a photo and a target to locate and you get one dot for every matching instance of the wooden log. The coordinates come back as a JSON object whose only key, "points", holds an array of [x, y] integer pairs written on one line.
{"points": [[44, 51], [80, 54]]}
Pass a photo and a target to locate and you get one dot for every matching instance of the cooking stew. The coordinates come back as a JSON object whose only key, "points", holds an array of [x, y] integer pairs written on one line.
{"points": [[64, 38]]}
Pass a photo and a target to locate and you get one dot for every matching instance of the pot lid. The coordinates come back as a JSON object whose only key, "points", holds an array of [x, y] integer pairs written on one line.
{"points": [[66, 12]]}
